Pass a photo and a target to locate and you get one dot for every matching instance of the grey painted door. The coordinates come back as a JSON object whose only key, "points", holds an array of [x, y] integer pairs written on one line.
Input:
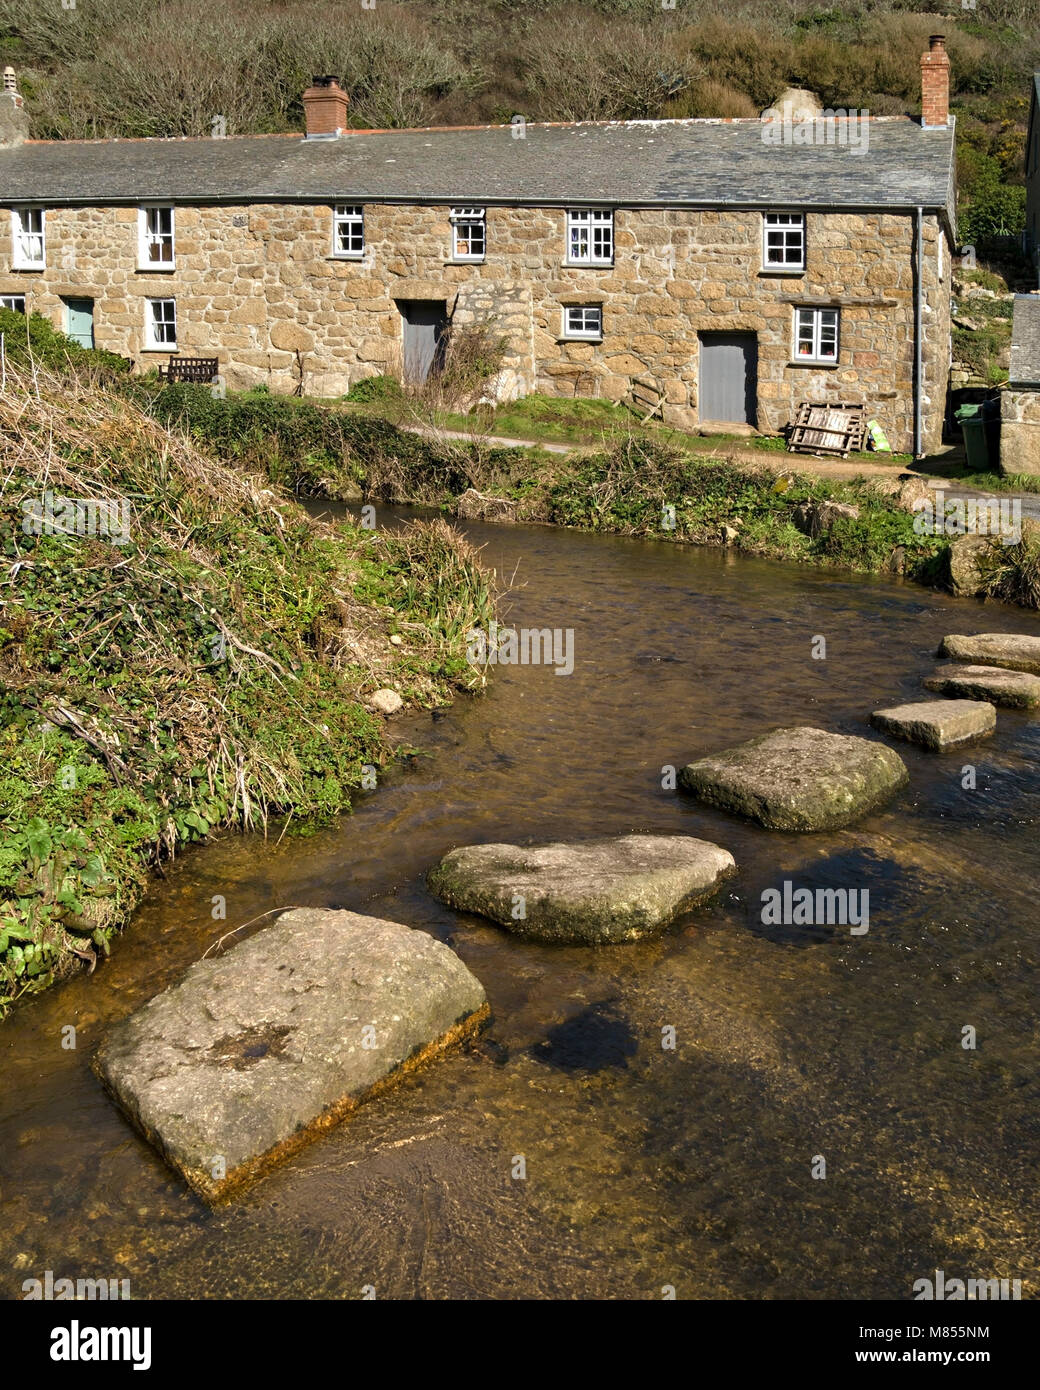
{"points": [[424, 322], [729, 377], [79, 321]]}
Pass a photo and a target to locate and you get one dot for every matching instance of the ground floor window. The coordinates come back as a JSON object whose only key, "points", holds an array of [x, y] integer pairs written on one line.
{"points": [[816, 335], [583, 321], [160, 323], [13, 301]]}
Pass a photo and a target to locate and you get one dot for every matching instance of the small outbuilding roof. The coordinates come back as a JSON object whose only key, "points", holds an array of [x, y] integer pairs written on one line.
{"points": [[1025, 342]]}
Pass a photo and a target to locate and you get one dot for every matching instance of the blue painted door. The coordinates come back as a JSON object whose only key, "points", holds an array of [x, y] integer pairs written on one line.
{"points": [[729, 377], [79, 321]]}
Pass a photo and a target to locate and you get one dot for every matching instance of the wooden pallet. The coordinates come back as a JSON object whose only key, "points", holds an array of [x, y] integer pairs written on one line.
{"points": [[828, 427]]}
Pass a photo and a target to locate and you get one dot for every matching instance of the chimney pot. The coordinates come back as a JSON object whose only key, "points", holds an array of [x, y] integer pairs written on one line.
{"points": [[325, 108], [935, 84]]}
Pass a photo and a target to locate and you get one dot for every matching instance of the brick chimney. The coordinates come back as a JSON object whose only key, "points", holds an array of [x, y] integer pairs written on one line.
{"points": [[935, 83], [325, 107], [14, 119]]}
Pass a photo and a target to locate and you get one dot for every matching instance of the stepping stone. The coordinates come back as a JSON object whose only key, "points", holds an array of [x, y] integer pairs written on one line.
{"points": [[798, 779], [1014, 689], [1012, 650], [255, 1053], [937, 724], [599, 892]]}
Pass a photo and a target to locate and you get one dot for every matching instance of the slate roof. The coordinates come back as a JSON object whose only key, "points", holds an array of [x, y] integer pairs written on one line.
{"points": [[630, 164], [1025, 341]]}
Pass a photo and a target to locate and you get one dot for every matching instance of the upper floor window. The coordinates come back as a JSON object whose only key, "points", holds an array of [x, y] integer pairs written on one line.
{"points": [[160, 324], [816, 335], [15, 302], [468, 234], [27, 238], [348, 231], [590, 237], [155, 238], [783, 241]]}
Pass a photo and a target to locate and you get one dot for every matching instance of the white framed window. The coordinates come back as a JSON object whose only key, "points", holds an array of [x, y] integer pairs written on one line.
{"points": [[348, 230], [28, 239], [468, 234], [816, 335], [155, 238], [14, 302], [583, 321], [590, 237], [783, 241], [160, 324]]}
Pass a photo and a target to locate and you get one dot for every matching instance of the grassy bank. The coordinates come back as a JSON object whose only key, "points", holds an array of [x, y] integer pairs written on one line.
{"points": [[630, 483], [200, 658]]}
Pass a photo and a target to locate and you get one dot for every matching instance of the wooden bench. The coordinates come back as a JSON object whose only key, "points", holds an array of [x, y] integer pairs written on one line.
{"points": [[193, 369]]}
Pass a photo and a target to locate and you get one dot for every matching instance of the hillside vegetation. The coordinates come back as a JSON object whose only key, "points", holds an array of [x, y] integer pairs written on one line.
{"points": [[169, 68]]}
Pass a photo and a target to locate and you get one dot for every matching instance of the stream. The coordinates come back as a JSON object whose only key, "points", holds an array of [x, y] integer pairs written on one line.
{"points": [[646, 1168]]}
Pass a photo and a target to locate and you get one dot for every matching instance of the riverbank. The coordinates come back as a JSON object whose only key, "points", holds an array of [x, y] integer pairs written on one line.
{"points": [[181, 649], [629, 483]]}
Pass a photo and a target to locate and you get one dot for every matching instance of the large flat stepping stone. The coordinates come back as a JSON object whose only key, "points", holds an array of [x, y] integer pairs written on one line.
{"points": [[255, 1053], [798, 779], [1013, 689], [599, 892], [937, 724], [1013, 650]]}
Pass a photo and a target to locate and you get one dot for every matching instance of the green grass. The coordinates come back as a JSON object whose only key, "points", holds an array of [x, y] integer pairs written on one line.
{"points": [[211, 671]]}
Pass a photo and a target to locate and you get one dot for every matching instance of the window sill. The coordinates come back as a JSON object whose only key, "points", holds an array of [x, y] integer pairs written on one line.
{"points": [[156, 269], [587, 265], [790, 272], [467, 260], [812, 362], [578, 338], [23, 269], [167, 348], [346, 256]]}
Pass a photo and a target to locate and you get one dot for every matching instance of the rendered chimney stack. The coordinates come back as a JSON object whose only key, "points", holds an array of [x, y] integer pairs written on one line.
{"points": [[325, 108], [10, 88], [935, 83]]}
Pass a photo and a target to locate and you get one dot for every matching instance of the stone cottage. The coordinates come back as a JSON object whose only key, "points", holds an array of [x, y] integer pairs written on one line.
{"points": [[1020, 399], [738, 266]]}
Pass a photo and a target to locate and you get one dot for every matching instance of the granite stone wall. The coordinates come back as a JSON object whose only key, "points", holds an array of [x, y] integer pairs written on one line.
{"points": [[259, 287]]}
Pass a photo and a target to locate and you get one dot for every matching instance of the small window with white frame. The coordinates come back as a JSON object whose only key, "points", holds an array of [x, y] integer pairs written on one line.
{"points": [[583, 321], [816, 335], [348, 230], [590, 236], [160, 324], [468, 234], [155, 238], [28, 239], [14, 302], [783, 241]]}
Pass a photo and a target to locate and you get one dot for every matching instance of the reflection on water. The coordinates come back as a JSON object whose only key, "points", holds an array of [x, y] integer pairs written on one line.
{"points": [[645, 1164]]}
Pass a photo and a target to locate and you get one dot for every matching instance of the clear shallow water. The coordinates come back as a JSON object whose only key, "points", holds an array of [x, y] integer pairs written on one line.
{"points": [[645, 1167]]}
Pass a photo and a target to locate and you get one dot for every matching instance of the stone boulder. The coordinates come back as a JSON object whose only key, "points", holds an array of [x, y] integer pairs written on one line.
{"points": [[384, 701], [937, 724], [598, 893], [798, 779], [255, 1053], [1013, 689], [967, 560], [1012, 650], [817, 518]]}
